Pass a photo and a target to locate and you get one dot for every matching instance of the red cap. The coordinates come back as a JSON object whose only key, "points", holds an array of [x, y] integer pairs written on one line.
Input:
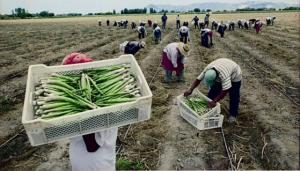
{"points": [[76, 58]]}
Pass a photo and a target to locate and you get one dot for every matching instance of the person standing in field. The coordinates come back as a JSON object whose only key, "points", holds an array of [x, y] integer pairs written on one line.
{"points": [[196, 20], [132, 47], [164, 19], [107, 22], [206, 20], [184, 34], [95, 151], [222, 76], [173, 60], [177, 22]]}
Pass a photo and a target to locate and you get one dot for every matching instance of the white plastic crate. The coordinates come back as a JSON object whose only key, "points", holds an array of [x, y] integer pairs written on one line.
{"points": [[212, 119], [184, 107], [42, 131]]}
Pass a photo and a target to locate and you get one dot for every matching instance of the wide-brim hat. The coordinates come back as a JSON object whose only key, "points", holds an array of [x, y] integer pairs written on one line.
{"points": [[184, 49]]}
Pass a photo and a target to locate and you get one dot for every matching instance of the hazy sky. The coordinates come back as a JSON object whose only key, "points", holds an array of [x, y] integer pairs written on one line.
{"points": [[85, 6]]}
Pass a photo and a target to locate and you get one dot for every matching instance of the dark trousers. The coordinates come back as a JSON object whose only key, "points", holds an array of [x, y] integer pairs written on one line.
{"points": [[177, 24], [142, 35], [234, 95], [183, 37]]}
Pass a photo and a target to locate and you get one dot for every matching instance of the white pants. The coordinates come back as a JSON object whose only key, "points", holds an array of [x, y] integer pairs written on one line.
{"points": [[103, 159]]}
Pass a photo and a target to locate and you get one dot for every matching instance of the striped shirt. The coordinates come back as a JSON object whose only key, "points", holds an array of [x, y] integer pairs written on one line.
{"points": [[227, 72]]}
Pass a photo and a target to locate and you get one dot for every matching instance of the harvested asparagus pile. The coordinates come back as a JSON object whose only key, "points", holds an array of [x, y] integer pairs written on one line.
{"points": [[197, 104], [59, 95]]}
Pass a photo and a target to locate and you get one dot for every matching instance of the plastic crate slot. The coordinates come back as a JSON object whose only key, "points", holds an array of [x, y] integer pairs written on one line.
{"points": [[94, 122], [123, 116], [62, 130]]}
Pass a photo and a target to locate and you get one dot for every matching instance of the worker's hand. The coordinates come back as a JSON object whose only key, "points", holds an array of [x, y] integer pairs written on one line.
{"points": [[187, 93], [211, 104]]}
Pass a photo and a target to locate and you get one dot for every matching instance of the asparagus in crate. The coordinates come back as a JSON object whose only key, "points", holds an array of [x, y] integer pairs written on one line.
{"points": [[197, 104], [59, 95]]}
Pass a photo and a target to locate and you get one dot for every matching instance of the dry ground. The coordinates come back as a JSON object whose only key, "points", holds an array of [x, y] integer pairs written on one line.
{"points": [[266, 135]]}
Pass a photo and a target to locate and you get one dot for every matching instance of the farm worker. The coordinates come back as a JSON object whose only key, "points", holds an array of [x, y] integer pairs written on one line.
{"points": [[270, 20], [214, 25], [184, 34], [206, 20], [99, 23], [172, 60], [141, 32], [258, 25], [201, 25], [231, 25], [221, 29], [196, 19], [246, 25], [107, 22], [154, 25], [221, 76], [206, 37], [164, 19], [149, 23], [95, 151], [115, 24], [133, 25], [157, 34], [132, 47], [177, 22]]}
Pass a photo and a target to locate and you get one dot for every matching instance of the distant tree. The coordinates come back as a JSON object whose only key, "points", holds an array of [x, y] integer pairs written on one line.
{"points": [[114, 11], [208, 10], [197, 10]]}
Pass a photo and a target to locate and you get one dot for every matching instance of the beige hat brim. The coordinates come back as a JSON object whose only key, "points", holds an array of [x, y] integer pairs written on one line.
{"points": [[181, 50]]}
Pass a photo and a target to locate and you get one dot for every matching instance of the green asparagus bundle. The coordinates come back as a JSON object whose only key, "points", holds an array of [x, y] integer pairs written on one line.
{"points": [[59, 95], [197, 104]]}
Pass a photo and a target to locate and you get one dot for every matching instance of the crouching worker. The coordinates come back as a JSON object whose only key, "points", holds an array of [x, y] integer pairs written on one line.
{"points": [[172, 60], [141, 31], [157, 34], [184, 34], [132, 47], [206, 38], [258, 25], [221, 29], [94, 151], [221, 76]]}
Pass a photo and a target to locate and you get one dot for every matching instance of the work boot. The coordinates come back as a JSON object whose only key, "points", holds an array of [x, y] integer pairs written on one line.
{"points": [[231, 119]]}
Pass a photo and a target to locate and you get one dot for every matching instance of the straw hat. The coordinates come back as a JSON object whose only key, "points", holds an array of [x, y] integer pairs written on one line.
{"points": [[142, 44], [184, 49]]}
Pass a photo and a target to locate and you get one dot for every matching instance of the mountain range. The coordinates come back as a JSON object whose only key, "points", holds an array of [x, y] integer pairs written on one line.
{"points": [[221, 6]]}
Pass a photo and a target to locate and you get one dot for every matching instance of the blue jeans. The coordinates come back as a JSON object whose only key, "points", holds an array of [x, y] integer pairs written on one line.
{"points": [[168, 76], [234, 95]]}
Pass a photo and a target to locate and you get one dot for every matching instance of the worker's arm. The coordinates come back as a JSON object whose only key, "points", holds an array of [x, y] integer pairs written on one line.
{"points": [[90, 142], [194, 85], [212, 103]]}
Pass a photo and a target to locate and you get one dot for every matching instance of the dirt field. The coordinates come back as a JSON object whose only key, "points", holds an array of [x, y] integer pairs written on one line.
{"points": [[266, 135]]}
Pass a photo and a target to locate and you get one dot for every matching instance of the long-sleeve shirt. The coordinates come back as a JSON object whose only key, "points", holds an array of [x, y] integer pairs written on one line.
{"points": [[227, 71], [172, 52], [177, 18], [206, 18], [142, 29], [132, 47], [157, 32], [164, 18], [184, 29]]}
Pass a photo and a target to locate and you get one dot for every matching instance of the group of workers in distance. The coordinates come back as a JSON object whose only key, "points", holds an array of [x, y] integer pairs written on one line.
{"points": [[223, 76]]}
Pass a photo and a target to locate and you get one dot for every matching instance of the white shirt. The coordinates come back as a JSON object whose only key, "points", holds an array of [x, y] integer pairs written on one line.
{"points": [[139, 29], [177, 18], [101, 160], [184, 29], [172, 52], [206, 30], [228, 71]]}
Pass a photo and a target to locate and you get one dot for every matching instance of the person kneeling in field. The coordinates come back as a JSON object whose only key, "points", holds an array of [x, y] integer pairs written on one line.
{"points": [[172, 60], [206, 37], [132, 47], [157, 34], [184, 34], [95, 151], [221, 76]]}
